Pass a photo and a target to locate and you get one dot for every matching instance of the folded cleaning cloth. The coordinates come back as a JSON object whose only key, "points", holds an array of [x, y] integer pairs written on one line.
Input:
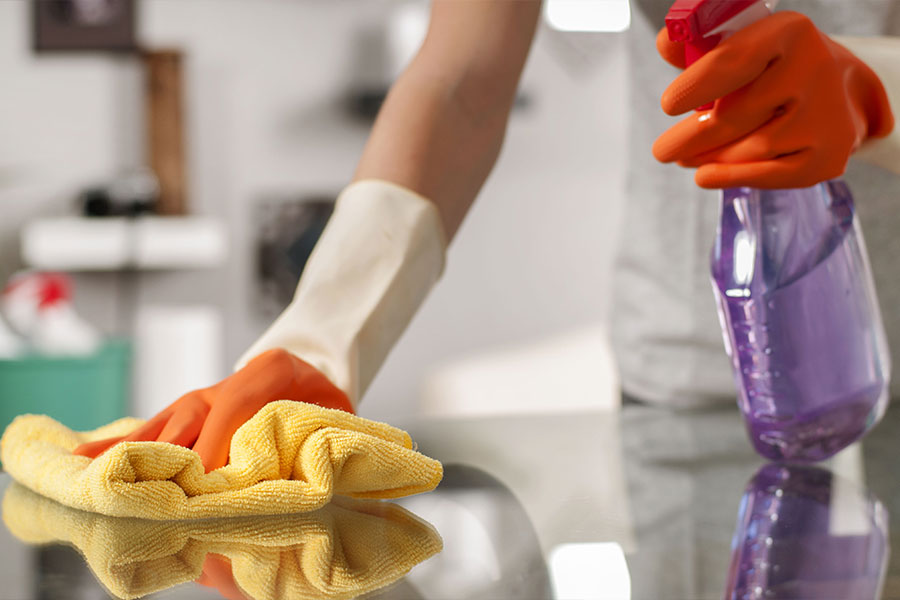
{"points": [[348, 548], [290, 457]]}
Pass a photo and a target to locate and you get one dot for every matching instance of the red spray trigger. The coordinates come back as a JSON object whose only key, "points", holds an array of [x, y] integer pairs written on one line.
{"points": [[692, 21]]}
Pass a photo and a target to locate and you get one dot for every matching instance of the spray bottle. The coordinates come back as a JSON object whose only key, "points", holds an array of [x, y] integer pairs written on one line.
{"points": [[795, 293]]}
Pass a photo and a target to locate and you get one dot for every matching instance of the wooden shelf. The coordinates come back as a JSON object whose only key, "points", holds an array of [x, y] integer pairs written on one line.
{"points": [[117, 243]]}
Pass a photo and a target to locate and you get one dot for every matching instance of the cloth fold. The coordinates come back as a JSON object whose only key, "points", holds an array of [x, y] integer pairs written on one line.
{"points": [[290, 457], [346, 549]]}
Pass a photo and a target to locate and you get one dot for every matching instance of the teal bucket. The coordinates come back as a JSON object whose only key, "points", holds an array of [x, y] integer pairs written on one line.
{"points": [[81, 393]]}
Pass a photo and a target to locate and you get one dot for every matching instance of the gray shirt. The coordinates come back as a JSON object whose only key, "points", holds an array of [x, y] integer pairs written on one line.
{"points": [[664, 323]]}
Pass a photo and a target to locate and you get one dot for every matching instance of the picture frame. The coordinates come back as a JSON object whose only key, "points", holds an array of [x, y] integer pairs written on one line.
{"points": [[84, 25]]}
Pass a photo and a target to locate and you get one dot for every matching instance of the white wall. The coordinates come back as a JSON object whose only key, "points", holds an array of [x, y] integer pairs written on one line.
{"points": [[533, 256], [264, 78], [62, 124]]}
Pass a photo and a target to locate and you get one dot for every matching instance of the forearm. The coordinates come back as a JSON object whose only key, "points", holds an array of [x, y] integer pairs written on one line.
{"points": [[442, 126], [882, 54], [425, 142], [433, 145]]}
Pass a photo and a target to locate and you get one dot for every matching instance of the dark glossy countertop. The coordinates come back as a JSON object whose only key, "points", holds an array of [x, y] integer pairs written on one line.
{"points": [[641, 503]]}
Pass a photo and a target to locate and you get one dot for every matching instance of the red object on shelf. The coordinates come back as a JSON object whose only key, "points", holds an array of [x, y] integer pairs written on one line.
{"points": [[48, 288]]}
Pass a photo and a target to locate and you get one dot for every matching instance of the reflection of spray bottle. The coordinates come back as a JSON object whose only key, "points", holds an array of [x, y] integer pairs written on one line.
{"points": [[805, 533], [796, 299]]}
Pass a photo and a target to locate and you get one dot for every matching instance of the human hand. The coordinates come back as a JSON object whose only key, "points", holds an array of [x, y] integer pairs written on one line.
{"points": [[218, 574], [791, 106], [206, 419]]}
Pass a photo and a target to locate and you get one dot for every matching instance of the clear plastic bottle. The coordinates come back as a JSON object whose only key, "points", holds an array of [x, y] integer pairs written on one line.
{"points": [[801, 320], [803, 532]]}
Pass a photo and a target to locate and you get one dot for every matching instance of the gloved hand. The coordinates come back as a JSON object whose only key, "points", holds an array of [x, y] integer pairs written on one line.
{"points": [[217, 573], [205, 420], [380, 254], [791, 107]]}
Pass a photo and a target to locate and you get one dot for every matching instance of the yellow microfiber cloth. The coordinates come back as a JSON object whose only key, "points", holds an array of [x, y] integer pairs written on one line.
{"points": [[348, 548], [290, 457]]}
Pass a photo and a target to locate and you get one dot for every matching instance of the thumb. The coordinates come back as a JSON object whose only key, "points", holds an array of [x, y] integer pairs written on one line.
{"points": [[672, 52]]}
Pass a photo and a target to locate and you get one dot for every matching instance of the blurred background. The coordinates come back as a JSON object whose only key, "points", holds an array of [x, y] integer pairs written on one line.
{"points": [[166, 166]]}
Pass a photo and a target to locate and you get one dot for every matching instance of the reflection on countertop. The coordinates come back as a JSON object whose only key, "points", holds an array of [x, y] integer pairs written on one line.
{"points": [[805, 532], [637, 503], [343, 550]]}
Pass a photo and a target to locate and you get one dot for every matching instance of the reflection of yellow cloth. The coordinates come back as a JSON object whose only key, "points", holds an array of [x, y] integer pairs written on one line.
{"points": [[341, 551], [290, 457]]}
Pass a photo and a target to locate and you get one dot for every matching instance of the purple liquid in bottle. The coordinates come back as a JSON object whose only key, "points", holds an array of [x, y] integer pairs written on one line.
{"points": [[800, 318], [805, 533]]}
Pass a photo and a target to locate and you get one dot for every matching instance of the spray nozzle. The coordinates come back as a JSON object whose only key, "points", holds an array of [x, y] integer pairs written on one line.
{"points": [[702, 24]]}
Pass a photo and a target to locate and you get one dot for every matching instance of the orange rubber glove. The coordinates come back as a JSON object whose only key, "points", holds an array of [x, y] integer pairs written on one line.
{"points": [[205, 420], [218, 574], [791, 106]]}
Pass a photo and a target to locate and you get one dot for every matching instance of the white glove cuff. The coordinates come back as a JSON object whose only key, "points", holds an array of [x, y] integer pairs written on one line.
{"points": [[378, 257]]}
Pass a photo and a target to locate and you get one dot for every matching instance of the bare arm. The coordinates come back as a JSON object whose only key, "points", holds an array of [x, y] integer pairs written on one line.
{"points": [[442, 125]]}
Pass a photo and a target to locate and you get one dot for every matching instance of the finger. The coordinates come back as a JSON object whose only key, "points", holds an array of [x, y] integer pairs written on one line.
{"points": [[214, 441], [95, 449], [704, 132], [753, 148], [149, 431], [217, 573], [775, 139], [672, 52], [728, 67], [213, 453], [781, 173], [185, 424], [734, 117], [146, 432]]}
